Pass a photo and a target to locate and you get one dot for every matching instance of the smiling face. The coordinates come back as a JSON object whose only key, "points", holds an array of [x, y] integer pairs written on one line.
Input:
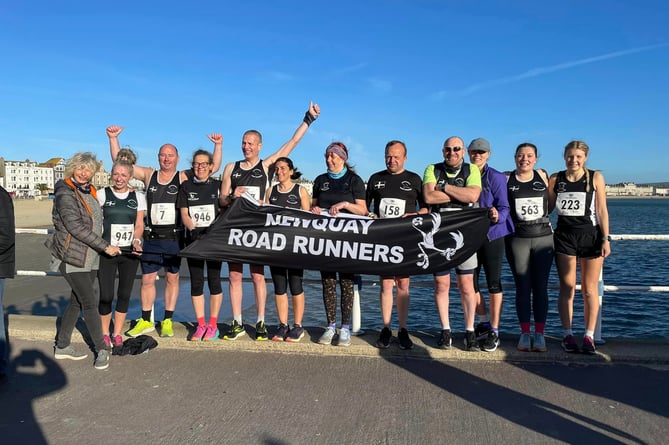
{"points": [[120, 177], [526, 159], [168, 158], [334, 162], [453, 151], [202, 167], [82, 174], [396, 156], [283, 172], [251, 145], [574, 159], [479, 158]]}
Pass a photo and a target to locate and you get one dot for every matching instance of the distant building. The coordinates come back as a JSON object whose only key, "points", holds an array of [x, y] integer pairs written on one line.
{"points": [[25, 179], [101, 178], [58, 165], [662, 191], [629, 189]]}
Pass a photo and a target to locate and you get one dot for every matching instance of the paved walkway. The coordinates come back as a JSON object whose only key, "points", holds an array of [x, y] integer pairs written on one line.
{"points": [[248, 392]]}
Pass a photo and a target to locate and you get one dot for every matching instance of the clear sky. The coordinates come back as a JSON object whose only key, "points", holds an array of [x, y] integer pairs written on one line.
{"points": [[414, 70]]}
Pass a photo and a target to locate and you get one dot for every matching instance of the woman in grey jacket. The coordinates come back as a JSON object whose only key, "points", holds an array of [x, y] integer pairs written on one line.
{"points": [[75, 246]]}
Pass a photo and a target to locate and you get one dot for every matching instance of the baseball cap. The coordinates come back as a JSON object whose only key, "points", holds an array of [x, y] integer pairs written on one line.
{"points": [[479, 144]]}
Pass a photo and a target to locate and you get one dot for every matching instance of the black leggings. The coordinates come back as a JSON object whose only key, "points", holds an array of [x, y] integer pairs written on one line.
{"points": [[282, 277], [196, 269], [490, 256], [329, 281], [126, 266]]}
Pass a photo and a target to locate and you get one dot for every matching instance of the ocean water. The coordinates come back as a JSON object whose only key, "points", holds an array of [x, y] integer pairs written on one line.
{"points": [[625, 314]]}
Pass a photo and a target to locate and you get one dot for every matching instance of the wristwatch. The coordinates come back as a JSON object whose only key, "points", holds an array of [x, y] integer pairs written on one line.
{"points": [[608, 238]]}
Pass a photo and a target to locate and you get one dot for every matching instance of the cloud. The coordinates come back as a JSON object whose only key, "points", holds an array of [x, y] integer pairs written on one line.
{"points": [[534, 72]]}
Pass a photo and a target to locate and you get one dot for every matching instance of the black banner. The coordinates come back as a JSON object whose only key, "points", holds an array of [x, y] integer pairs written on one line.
{"points": [[277, 236]]}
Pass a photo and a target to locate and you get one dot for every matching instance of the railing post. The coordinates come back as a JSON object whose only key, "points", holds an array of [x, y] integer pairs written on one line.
{"points": [[355, 322], [598, 328]]}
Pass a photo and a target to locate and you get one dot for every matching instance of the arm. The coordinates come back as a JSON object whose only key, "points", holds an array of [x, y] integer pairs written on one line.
{"points": [[67, 205], [602, 211], [359, 207], [501, 209], [226, 185], [141, 173], [285, 150], [305, 199], [186, 219], [552, 197], [139, 232], [217, 139]]}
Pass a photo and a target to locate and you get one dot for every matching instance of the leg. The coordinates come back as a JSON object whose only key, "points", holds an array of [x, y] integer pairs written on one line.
{"points": [[106, 281], [147, 292], [590, 271], [402, 300], [346, 286], [566, 266], [468, 298], [442, 286], [127, 270], [171, 290], [236, 271], [329, 283], [494, 254], [386, 297], [295, 280], [260, 288], [518, 257], [280, 280], [4, 343]]}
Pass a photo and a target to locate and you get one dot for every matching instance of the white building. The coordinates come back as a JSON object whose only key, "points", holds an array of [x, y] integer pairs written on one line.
{"points": [[26, 178]]}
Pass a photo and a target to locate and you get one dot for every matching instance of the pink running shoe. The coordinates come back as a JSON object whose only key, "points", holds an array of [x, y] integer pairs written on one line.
{"points": [[212, 333], [199, 333], [117, 340]]}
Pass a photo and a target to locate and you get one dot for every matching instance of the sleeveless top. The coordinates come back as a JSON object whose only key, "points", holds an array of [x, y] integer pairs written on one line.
{"points": [[575, 202], [458, 180], [163, 220], [529, 206], [291, 198], [255, 180], [119, 216]]}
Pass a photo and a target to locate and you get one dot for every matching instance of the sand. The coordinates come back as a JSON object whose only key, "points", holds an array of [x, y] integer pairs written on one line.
{"points": [[31, 213]]}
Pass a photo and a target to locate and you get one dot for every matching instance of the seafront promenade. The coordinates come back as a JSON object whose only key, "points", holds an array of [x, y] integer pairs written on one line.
{"points": [[248, 392]]}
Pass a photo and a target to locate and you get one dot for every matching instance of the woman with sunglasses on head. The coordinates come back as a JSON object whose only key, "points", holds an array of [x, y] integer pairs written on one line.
{"points": [[288, 194], [199, 204], [491, 254], [529, 250], [340, 190], [123, 210], [581, 237]]}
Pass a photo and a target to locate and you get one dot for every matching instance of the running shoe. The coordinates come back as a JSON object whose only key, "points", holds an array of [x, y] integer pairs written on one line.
{"points": [[524, 342], [102, 360], [491, 342], [569, 344], [141, 327], [108, 341], [236, 331], [117, 340], [296, 333], [199, 333], [471, 343], [166, 328], [384, 339], [482, 329], [445, 339], [588, 346], [539, 343], [344, 337], [328, 335], [212, 333], [405, 341], [281, 333], [261, 331], [68, 352]]}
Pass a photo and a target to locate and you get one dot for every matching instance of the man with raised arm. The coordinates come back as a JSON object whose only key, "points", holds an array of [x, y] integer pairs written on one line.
{"points": [[163, 228], [253, 175]]}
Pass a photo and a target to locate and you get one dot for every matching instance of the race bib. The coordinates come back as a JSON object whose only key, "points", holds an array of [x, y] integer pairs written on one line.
{"points": [[529, 209], [571, 204], [163, 214], [253, 191], [202, 216], [391, 207], [122, 234]]}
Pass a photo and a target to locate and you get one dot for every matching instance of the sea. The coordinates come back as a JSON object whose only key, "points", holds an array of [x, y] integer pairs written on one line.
{"points": [[625, 314]]}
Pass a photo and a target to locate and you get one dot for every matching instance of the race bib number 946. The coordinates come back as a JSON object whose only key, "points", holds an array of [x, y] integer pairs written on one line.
{"points": [[202, 216]]}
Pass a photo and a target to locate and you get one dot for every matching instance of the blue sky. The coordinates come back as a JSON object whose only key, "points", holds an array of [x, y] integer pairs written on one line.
{"points": [[414, 70]]}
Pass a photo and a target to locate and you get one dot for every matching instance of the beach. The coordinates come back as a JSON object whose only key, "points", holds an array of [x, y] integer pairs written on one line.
{"points": [[31, 213]]}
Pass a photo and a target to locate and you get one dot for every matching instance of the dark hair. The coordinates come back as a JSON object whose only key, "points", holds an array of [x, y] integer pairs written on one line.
{"points": [[254, 132], [393, 142], [296, 174], [527, 144], [200, 152]]}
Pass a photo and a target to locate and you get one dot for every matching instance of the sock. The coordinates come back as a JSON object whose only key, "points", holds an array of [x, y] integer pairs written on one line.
{"points": [[345, 326], [260, 319], [525, 327], [495, 330], [146, 315], [168, 314], [200, 321], [445, 327], [332, 325], [213, 321], [590, 334], [238, 318], [566, 332], [538, 327]]}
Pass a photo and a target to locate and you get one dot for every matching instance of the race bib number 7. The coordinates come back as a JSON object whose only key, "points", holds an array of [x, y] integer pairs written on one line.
{"points": [[163, 214]]}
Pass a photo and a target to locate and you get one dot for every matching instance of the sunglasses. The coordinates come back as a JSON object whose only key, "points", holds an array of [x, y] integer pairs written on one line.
{"points": [[477, 152], [452, 149]]}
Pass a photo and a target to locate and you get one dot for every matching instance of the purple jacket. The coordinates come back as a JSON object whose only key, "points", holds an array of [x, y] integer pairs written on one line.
{"points": [[494, 194]]}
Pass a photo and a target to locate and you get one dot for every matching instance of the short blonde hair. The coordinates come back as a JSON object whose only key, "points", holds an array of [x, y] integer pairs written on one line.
{"points": [[79, 160]]}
